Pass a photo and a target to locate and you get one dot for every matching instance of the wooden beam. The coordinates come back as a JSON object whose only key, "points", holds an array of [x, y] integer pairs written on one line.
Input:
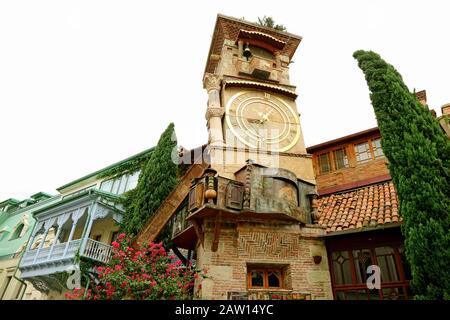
{"points": [[198, 231], [218, 225], [180, 255], [168, 207]]}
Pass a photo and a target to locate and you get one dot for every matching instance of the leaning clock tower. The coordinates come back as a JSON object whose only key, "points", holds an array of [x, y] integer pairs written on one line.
{"points": [[249, 218], [252, 112]]}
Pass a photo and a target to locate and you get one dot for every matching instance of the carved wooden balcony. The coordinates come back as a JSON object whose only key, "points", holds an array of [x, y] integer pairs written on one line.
{"points": [[258, 193], [72, 219]]}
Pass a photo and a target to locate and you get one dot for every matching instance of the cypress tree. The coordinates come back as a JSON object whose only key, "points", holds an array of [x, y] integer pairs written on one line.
{"points": [[156, 181], [419, 162]]}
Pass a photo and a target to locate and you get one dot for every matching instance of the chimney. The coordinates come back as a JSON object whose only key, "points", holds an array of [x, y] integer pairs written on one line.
{"points": [[422, 97]]}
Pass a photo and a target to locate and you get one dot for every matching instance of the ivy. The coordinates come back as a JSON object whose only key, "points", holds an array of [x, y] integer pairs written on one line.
{"points": [[129, 167]]}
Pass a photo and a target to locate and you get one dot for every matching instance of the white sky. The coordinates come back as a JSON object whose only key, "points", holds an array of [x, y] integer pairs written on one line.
{"points": [[84, 84]]}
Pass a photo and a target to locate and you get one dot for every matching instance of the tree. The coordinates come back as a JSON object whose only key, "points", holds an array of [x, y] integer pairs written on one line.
{"points": [[140, 273], [419, 163], [156, 181], [270, 23]]}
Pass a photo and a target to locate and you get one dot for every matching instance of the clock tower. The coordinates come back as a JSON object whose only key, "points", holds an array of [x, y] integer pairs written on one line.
{"points": [[252, 112], [249, 217]]}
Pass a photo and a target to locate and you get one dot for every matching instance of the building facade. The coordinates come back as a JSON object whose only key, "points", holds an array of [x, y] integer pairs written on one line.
{"points": [[245, 213], [16, 224], [266, 217], [50, 239]]}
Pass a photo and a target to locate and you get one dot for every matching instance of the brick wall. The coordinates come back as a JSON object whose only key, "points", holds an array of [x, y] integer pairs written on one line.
{"points": [[357, 174], [354, 176], [287, 246]]}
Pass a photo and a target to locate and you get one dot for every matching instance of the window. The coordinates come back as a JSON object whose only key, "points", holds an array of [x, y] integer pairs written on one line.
{"points": [[17, 232], [377, 150], [340, 159], [324, 163], [120, 184], [349, 273], [114, 236], [362, 152], [265, 278]]}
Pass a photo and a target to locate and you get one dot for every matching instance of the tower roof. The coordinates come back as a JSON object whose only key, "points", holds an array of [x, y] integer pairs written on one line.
{"points": [[228, 28]]}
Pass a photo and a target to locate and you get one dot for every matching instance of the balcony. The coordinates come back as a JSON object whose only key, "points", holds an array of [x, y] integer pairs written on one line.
{"points": [[94, 250], [62, 236], [256, 193]]}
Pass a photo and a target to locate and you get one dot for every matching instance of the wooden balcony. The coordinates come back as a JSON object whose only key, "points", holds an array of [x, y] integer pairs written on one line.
{"points": [[61, 257], [257, 194], [97, 251]]}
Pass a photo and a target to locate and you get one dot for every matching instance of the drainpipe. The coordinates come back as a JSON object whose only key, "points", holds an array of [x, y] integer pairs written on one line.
{"points": [[21, 257]]}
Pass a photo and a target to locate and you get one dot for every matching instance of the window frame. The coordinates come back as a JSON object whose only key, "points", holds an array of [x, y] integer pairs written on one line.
{"points": [[265, 271], [319, 167], [16, 234], [346, 165], [349, 246]]}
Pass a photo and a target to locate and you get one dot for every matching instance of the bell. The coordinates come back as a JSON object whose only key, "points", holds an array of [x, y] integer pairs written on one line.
{"points": [[247, 53]]}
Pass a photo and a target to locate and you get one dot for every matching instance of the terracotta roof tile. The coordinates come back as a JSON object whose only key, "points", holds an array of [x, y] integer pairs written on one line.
{"points": [[369, 206]]}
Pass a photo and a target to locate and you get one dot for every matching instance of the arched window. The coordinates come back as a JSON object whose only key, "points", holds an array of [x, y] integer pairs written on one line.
{"points": [[17, 232]]}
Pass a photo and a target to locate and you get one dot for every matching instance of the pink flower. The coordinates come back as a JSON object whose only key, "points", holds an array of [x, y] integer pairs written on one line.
{"points": [[118, 267], [178, 262], [115, 244], [153, 283], [121, 236]]}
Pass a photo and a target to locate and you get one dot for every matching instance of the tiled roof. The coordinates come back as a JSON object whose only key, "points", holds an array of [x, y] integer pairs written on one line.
{"points": [[369, 206]]}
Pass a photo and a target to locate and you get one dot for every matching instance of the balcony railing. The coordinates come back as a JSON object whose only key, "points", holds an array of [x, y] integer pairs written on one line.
{"points": [[60, 251], [94, 250], [97, 251]]}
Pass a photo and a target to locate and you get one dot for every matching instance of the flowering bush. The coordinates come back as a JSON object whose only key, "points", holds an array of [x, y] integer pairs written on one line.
{"points": [[143, 273]]}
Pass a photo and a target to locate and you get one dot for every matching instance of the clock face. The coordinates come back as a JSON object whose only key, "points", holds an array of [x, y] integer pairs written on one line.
{"points": [[262, 120]]}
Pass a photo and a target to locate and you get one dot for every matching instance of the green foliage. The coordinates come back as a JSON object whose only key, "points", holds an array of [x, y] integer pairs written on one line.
{"points": [[156, 181], [270, 23], [419, 162], [130, 166]]}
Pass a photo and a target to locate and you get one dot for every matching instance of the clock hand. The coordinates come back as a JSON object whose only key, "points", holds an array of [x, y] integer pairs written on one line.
{"points": [[266, 116]]}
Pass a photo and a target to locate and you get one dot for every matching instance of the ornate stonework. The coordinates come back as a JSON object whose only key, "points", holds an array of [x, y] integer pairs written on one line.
{"points": [[211, 82], [214, 112]]}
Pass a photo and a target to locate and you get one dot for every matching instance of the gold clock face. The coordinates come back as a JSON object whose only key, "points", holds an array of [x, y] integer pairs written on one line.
{"points": [[262, 120]]}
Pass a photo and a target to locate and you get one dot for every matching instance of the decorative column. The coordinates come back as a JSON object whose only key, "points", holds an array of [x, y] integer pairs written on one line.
{"points": [[240, 48], [214, 112], [60, 221], [75, 216], [47, 226], [87, 231], [36, 229]]}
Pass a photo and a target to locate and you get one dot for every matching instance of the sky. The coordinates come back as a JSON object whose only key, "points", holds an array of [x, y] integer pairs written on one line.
{"points": [[84, 84]]}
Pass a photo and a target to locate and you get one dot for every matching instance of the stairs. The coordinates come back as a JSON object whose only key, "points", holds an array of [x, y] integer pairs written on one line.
{"points": [[163, 214]]}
